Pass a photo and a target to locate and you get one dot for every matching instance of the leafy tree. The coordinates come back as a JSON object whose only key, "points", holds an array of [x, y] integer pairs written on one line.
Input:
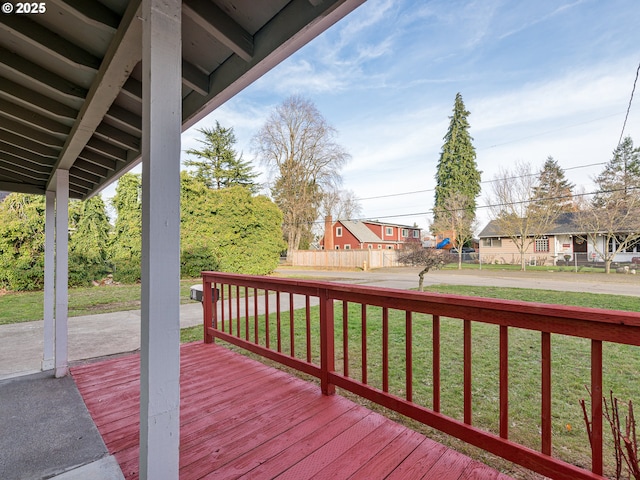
{"points": [[457, 171], [126, 243], [228, 230], [218, 165], [297, 144], [89, 240], [553, 188], [22, 242]]}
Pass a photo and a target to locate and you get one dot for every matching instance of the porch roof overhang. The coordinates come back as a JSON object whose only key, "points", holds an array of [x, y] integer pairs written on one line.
{"points": [[71, 86]]}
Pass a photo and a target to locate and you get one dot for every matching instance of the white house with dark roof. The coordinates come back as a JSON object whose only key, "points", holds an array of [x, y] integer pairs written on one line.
{"points": [[564, 241]]}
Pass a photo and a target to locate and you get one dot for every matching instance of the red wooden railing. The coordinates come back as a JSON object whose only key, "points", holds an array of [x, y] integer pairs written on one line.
{"points": [[233, 320]]}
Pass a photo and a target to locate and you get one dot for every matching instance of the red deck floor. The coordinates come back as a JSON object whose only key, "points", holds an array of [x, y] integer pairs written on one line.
{"points": [[242, 419]]}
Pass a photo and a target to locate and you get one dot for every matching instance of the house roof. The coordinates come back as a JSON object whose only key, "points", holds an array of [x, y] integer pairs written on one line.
{"points": [[565, 224], [71, 78], [362, 233]]}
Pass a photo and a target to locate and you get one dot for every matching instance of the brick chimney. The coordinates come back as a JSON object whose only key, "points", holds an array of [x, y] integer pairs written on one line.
{"points": [[328, 233]]}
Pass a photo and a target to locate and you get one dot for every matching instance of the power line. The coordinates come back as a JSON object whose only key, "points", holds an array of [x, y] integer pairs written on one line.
{"points": [[505, 204], [484, 181], [629, 106]]}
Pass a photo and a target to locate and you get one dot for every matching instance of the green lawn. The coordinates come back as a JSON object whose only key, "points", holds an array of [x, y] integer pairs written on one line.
{"points": [[28, 306], [570, 358]]}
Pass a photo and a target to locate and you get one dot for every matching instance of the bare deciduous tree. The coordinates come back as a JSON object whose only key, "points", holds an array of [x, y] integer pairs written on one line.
{"points": [[413, 253], [510, 208], [612, 226], [297, 145], [455, 216]]}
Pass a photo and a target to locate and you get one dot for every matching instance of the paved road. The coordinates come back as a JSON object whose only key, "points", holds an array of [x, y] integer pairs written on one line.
{"points": [[406, 278]]}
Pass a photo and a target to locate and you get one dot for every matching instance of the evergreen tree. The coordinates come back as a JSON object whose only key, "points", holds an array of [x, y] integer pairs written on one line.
{"points": [[457, 172], [620, 178], [126, 242], [553, 188], [219, 165], [228, 230], [22, 242], [89, 240]]}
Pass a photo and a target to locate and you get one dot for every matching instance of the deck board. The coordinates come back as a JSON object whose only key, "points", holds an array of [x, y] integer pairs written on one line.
{"points": [[242, 419]]}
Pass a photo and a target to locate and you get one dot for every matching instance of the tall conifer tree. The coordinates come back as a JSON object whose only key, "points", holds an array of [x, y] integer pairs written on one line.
{"points": [[457, 173], [553, 188]]}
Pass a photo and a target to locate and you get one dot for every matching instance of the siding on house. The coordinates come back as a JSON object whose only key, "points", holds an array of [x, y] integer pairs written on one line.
{"points": [[563, 240], [351, 235]]}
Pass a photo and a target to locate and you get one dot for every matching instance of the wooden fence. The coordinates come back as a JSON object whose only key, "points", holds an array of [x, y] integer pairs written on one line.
{"points": [[344, 258]]}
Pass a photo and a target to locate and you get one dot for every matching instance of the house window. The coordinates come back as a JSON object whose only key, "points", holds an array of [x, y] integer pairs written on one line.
{"points": [[338, 231], [347, 247], [492, 242], [416, 234], [379, 247], [370, 247], [389, 231], [389, 247], [542, 244], [405, 232], [337, 247]]}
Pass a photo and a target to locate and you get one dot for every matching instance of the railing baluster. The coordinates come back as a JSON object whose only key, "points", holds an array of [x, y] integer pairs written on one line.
{"points": [[246, 313], [308, 324], [222, 307], [436, 363], [238, 310], [364, 342], [596, 406], [266, 317], [256, 337], [467, 372], [278, 325], [546, 393], [230, 301], [504, 381], [345, 338], [385, 349], [409, 355], [291, 327], [207, 307]]}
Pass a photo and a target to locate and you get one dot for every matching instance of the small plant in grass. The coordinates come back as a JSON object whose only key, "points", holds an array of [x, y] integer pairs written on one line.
{"points": [[625, 442]]}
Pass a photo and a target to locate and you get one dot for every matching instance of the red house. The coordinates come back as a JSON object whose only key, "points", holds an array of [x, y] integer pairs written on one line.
{"points": [[351, 235]]}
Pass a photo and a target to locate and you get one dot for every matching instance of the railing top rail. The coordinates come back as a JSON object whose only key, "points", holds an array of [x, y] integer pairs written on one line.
{"points": [[594, 323]]}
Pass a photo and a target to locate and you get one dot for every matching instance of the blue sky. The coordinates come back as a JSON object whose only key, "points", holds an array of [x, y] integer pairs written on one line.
{"points": [[540, 78]]}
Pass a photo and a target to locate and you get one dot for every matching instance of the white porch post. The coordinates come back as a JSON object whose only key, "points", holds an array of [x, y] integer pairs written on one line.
{"points": [[49, 279], [62, 272], [160, 342]]}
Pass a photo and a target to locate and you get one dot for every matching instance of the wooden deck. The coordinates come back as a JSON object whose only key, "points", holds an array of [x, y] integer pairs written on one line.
{"points": [[242, 419]]}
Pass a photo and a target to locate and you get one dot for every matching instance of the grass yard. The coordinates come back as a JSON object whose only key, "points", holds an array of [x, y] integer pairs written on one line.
{"points": [[28, 306], [570, 357]]}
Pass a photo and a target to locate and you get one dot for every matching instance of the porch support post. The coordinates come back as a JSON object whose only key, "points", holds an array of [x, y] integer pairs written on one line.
{"points": [[62, 272], [160, 328], [49, 279]]}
